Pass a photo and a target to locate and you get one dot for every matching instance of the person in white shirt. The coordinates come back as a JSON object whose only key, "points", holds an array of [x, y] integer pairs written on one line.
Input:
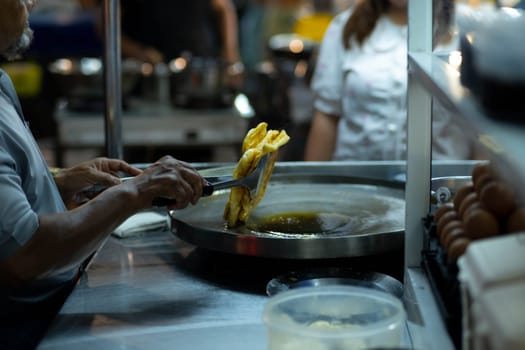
{"points": [[360, 87]]}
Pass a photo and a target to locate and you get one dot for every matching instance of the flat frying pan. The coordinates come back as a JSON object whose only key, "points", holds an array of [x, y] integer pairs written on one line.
{"points": [[303, 216]]}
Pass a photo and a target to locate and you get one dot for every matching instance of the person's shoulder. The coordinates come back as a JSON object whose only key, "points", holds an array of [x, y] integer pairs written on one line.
{"points": [[342, 17], [338, 22]]}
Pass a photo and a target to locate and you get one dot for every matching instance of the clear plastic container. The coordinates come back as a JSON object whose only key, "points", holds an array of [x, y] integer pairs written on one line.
{"points": [[333, 317]]}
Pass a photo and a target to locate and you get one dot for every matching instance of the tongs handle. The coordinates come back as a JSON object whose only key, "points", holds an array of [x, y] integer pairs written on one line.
{"points": [[207, 190], [221, 185]]}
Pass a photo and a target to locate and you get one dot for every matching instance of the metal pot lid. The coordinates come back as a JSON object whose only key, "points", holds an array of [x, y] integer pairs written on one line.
{"points": [[345, 216], [334, 276]]}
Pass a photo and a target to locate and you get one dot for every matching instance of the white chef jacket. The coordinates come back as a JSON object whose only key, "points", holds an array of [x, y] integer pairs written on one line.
{"points": [[366, 86]]}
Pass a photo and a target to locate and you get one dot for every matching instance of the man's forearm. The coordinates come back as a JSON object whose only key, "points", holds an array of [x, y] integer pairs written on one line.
{"points": [[65, 240]]}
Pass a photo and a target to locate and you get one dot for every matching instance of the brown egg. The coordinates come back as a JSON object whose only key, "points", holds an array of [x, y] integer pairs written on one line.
{"points": [[473, 205], [442, 210], [449, 228], [516, 221], [445, 219], [480, 223], [482, 181], [467, 202], [461, 194], [479, 170], [498, 198], [450, 236], [457, 248]]}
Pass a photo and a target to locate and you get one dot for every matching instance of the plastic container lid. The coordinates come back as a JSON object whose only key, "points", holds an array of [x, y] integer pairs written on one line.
{"points": [[326, 316]]}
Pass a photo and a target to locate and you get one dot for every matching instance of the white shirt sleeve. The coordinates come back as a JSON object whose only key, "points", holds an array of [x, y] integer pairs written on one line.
{"points": [[19, 220], [24, 184], [328, 76]]}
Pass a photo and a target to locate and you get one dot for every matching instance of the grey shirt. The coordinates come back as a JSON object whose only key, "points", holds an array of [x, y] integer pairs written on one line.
{"points": [[27, 188]]}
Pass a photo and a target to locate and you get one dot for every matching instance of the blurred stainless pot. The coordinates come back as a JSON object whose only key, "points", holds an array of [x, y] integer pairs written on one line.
{"points": [[291, 46], [199, 82], [81, 80]]}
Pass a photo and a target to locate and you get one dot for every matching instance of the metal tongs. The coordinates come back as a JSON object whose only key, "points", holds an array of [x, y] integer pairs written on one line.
{"points": [[252, 182]]}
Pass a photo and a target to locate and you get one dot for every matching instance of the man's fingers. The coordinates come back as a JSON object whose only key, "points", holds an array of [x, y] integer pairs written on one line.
{"points": [[105, 179]]}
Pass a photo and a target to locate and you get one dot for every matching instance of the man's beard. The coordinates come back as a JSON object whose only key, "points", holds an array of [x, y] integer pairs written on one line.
{"points": [[14, 51]]}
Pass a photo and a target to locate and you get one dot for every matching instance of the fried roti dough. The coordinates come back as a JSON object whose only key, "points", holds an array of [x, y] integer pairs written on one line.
{"points": [[258, 142]]}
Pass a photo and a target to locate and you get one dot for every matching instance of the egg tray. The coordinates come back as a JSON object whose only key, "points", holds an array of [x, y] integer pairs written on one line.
{"points": [[443, 279]]}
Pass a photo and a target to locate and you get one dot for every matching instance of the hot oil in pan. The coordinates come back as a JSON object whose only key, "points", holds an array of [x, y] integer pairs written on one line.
{"points": [[300, 223]]}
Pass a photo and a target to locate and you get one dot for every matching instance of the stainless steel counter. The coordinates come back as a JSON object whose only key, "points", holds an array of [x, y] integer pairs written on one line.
{"points": [[155, 291], [137, 294], [147, 124]]}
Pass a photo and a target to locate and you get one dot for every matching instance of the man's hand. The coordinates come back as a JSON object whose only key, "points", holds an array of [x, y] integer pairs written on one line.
{"points": [[75, 181], [167, 178]]}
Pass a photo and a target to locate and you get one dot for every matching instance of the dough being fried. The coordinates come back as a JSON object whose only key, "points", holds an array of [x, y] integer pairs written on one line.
{"points": [[258, 142]]}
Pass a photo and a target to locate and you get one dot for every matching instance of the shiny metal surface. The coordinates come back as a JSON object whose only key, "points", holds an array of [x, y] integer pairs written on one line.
{"points": [[334, 276], [151, 292], [385, 170], [112, 79], [150, 124], [364, 217], [199, 82], [443, 189], [252, 181], [155, 291]]}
